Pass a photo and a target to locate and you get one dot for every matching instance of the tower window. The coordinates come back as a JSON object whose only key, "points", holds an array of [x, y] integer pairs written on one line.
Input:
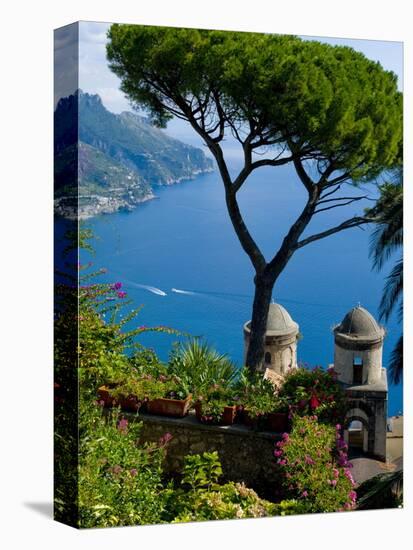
{"points": [[268, 358], [357, 370]]}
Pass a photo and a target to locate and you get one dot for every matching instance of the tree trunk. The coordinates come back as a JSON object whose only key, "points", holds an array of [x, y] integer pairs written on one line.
{"points": [[260, 308]]}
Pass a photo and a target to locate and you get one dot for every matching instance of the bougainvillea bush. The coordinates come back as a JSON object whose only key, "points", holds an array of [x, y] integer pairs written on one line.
{"points": [[108, 352], [315, 391], [120, 481], [313, 467]]}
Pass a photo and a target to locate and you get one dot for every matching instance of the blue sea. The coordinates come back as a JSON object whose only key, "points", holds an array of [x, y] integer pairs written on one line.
{"points": [[178, 256]]}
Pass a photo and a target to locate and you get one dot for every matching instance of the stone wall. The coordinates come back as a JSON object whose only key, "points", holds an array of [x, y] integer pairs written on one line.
{"points": [[245, 455]]}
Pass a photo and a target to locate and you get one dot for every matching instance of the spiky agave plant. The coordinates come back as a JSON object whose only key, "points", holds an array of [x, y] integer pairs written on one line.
{"points": [[201, 366]]}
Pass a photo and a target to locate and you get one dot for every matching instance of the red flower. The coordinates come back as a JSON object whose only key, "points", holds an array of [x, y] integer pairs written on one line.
{"points": [[314, 402]]}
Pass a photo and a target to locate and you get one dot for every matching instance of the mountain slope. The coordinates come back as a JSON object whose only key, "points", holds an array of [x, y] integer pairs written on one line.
{"points": [[118, 158]]}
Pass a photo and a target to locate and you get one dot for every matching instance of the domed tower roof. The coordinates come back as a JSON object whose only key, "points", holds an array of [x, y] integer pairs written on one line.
{"points": [[279, 322], [359, 325]]}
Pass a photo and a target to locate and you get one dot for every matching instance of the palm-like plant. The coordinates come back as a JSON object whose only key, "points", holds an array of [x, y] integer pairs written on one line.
{"points": [[201, 366], [387, 239]]}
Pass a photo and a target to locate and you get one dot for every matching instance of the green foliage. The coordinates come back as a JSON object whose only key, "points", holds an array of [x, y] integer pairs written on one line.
{"points": [[257, 395], [207, 500], [112, 151], [291, 508], [213, 400], [381, 491], [200, 366], [314, 392], [202, 471], [120, 481], [314, 467], [345, 108], [149, 388], [387, 239]]}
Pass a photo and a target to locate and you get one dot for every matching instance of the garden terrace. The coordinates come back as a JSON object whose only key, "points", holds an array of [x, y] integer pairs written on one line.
{"points": [[246, 455]]}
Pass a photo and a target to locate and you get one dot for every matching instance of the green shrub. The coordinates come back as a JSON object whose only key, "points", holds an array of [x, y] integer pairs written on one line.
{"points": [[213, 400], [120, 481], [314, 391], [149, 388], [258, 395], [206, 500]]}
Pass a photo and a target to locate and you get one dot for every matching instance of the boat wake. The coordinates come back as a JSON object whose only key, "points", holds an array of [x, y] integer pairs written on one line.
{"points": [[178, 291], [149, 288]]}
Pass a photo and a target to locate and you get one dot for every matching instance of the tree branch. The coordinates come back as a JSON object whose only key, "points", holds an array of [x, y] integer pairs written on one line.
{"points": [[331, 192], [348, 200], [351, 199], [353, 222]]}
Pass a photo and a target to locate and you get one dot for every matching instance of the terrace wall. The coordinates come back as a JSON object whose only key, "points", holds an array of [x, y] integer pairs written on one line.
{"points": [[246, 455]]}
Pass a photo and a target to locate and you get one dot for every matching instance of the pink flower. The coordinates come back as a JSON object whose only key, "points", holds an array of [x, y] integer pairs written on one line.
{"points": [[123, 425], [333, 482], [304, 494], [165, 439], [133, 472], [285, 436], [278, 453], [341, 444], [121, 294], [309, 460], [117, 286], [352, 495]]}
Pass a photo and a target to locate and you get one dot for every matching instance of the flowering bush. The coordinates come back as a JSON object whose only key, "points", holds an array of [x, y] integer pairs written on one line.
{"points": [[310, 392], [314, 467], [108, 352], [120, 481]]}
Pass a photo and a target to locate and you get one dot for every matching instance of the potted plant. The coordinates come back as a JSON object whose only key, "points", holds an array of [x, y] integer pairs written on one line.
{"points": [[216, 406], [260, 407], [123, 394], [278, 420], [164, 396], [169, 398]]}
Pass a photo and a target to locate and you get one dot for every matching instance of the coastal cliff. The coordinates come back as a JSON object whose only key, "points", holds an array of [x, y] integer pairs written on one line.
{"points": [[118, 160]]}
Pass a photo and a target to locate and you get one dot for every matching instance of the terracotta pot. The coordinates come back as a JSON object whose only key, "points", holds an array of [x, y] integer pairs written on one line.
{"points": [[130, 403], [256, 422], [278, 422], [228, 415], [169, 407]]}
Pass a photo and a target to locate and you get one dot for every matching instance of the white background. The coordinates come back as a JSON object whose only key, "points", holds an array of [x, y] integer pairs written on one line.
{"points": [[26, 270]]}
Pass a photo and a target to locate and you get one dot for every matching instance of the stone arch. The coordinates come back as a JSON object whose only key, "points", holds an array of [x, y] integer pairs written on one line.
{"points": [[362, 406], [361, 413]]}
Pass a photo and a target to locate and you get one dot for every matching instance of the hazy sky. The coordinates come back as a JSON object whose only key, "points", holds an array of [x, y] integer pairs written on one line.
{"points": [[96, 77]]}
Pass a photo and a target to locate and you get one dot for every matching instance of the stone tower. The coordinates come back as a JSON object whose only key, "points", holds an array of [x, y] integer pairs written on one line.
{"points": [[358, 362], [280, 352]]}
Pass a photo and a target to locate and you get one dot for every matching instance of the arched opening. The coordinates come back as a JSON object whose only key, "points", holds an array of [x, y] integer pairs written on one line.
{"points": [[357, 433], [267, 358]]}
